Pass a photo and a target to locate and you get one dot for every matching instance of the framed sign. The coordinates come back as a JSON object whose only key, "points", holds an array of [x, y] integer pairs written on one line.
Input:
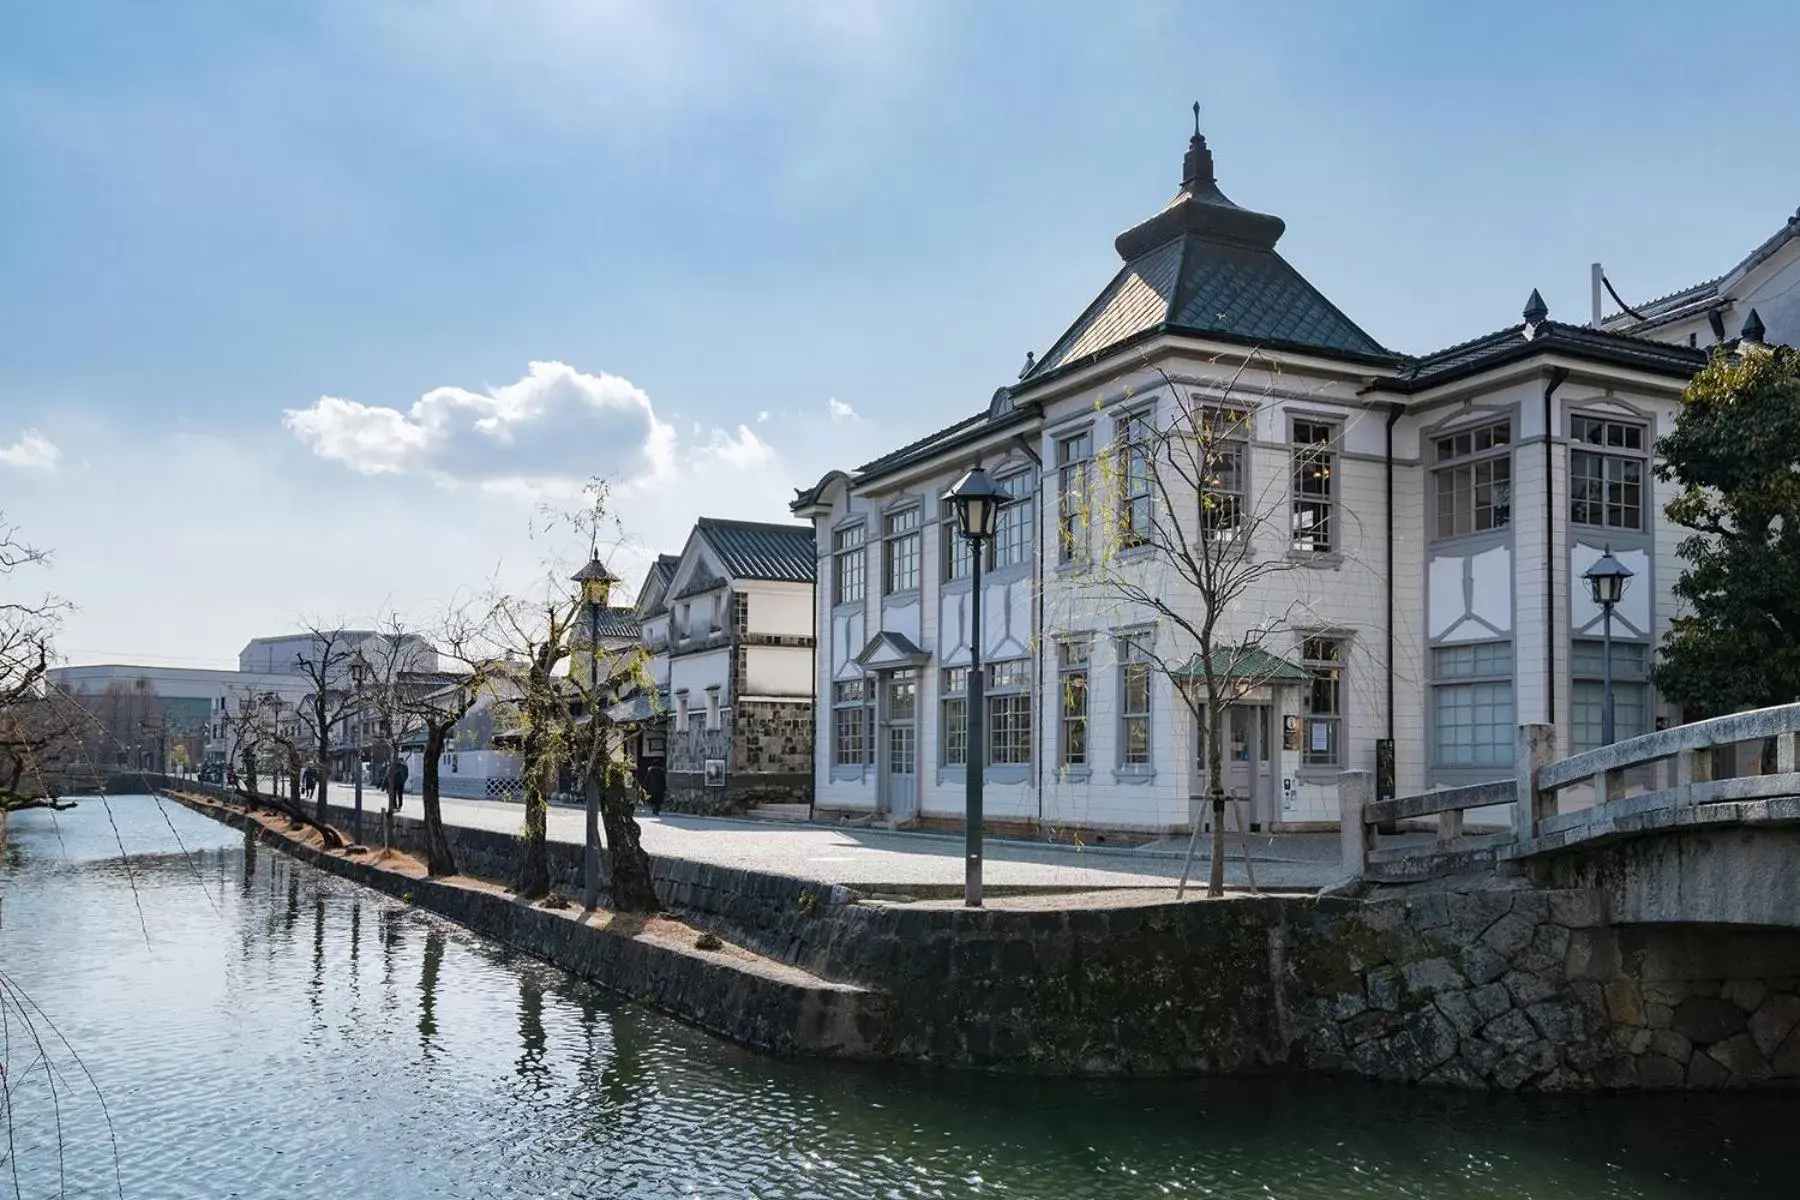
{"points": [[1290, 732], [715, 772]]}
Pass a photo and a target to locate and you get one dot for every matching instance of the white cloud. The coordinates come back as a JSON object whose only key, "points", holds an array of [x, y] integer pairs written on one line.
{"points": [[32, 452], [744, 451], [555, 422], [839, 410]]}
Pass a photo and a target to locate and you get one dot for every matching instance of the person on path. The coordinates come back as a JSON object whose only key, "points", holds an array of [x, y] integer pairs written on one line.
{"points": [[655, 785], [399, 785]]}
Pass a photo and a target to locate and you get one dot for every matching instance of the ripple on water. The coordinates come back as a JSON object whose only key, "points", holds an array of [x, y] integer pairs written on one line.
{"points": [[283, 1034]]}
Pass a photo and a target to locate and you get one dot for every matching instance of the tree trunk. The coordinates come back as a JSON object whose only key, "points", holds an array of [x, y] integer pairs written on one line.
{"points": [[1215, 772], [534, 856], [438, 858], [631, 888], [324, 758]]}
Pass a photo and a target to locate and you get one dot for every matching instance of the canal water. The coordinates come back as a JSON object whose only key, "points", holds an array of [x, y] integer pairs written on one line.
{"points": [[253, 1028]]}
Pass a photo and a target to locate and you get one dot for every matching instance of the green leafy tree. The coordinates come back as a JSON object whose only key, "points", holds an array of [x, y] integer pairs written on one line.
{"points": [[1735, 453]]}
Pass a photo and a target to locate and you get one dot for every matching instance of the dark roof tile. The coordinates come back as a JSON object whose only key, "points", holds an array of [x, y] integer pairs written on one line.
{"points": [[753, 550]]}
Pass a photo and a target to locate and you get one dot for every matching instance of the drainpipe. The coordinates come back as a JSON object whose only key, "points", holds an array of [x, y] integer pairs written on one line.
{"points": [[1557, 376], [1393, 419], [1037, 587], [812, 793]]}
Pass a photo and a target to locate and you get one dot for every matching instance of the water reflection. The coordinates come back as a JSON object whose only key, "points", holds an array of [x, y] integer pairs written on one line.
{"points": [[467, 1063], [429, 963]]}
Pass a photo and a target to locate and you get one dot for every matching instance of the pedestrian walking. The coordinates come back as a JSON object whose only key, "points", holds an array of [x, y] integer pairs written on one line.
{"points": [[399, 784], [655, 785]]}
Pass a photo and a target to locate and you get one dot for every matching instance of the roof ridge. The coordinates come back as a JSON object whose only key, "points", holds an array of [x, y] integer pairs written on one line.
{"points": [[779, 526]]}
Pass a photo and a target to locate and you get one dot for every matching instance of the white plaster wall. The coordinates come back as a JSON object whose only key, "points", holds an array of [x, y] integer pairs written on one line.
{"points": [[697, 672], [782, 609], [778, 671]]}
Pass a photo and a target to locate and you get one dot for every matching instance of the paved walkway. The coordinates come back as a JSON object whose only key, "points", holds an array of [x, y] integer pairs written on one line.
{"points": [[880, 859]]}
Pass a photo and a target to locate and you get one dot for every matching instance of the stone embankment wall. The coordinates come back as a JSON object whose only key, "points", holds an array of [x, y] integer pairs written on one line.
{"points": [[1507, 988], [767, 1007]]}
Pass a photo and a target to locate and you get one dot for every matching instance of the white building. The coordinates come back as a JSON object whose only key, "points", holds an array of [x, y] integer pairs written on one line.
{"points": [[1759, 297], [179, 702], [729, 626], [282, 655], [1434, 511]]}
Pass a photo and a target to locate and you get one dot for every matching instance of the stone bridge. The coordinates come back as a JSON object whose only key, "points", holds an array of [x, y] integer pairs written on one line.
{"points": [[1696, 825]]}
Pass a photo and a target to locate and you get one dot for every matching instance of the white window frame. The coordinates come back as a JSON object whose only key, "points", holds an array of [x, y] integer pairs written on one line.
{"points": [[953, 713], [1134, 444], [1464, 463], [1587, 679], [1225, 434], [1324, 657], [1479, 682], [843, 704], [1074, 495], [1314, 459], [1606, 455], [850, 564], [1133, 658], [902, 550], [1007, 693], [1074, 702]]}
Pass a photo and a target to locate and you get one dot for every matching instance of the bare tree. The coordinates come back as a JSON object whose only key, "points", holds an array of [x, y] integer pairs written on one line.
{"points": [[1189, 553], [534, 637], [438, 710], [34, 724], [326, 666], [270, 735]]}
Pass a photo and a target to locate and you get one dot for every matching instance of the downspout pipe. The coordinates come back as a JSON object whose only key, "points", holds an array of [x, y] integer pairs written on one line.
{"points": [[1393, 419], [1557, 376], [1037, 588]]}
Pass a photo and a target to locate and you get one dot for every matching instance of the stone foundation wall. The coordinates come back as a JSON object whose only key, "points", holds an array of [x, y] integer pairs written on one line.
{"points": [[773, 737], [1505, 989]]}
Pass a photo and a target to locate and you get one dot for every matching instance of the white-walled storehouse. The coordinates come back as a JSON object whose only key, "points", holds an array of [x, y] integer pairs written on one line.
{"points": [[728, 624], [1758, 298], [1428, 513]]}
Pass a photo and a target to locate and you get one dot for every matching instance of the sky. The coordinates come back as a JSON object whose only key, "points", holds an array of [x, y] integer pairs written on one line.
{"points": [[315, 310]]}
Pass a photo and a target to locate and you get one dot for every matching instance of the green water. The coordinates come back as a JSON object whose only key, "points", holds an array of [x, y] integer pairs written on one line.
{"points": [[257, 1029]]}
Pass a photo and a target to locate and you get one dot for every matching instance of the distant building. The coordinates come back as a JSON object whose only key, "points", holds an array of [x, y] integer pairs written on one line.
{"points": [[1765, 282], [728, 623], [140, 713], [281, 655]]}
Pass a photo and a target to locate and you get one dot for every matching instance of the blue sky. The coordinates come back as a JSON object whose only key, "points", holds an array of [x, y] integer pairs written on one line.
{"points": [[745, 243]]}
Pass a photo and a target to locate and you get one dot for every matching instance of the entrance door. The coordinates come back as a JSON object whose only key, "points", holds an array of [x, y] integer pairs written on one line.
{"points": [[900, 745], [1247, 767]]}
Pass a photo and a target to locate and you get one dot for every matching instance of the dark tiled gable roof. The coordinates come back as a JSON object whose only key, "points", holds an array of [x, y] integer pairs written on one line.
{"points": [[664, 567], [1695, 298], [1204, 265], [752, 550], [615, 623]]}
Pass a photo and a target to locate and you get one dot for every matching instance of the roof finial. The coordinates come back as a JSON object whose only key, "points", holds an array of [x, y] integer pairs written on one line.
{"points": [[1197, 167], [1535, 309], [1753, 328]]}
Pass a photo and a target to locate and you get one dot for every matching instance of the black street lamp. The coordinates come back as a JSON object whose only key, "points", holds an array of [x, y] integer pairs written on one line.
{"points": [[359, 675], [1606, 581], [978, 500], [596, 585]]}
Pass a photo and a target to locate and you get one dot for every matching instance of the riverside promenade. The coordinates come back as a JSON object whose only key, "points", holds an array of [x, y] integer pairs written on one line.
{"points": [[878, 858]]}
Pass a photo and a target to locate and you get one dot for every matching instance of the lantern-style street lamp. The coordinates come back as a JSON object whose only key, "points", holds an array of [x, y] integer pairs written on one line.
{"points": [[1606, 581], [596, 587], [359, 675], [977, 500]]}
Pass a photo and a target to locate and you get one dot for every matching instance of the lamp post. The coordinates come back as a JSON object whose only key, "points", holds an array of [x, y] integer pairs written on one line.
{"points": [[1606, 581], [978, 500], [359, 675], [596, 582]]}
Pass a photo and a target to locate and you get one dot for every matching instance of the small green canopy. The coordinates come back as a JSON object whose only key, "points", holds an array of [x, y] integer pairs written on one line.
{"points": [[1249, 664]]}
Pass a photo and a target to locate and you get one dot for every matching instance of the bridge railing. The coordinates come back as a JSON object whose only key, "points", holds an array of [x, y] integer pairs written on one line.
{"points": [[1684, 767]]}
